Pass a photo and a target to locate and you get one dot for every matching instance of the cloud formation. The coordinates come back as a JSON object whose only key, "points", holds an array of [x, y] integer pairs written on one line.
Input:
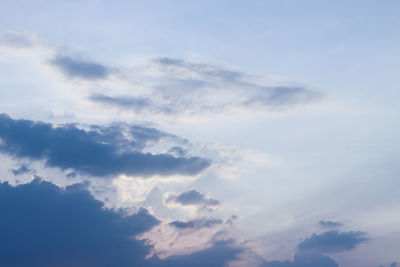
{"points": [[180, 87], [45, 225], [100, 151], [333, 241]]}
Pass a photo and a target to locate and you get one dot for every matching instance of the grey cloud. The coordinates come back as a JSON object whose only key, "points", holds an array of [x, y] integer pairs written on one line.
{"points": [[80, 69], [102, 151], [329, 224], [196, 224], [193, 197], [333, 241]]}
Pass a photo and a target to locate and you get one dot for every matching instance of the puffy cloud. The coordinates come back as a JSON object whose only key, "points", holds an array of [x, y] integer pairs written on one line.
{"points": [[100, 151], [329, 224], [75, 68], [194, 198], [333, 241]]}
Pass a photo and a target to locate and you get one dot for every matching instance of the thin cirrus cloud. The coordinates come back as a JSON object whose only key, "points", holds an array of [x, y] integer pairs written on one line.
{"points": [[304, 259], [53, 226], [168, 86], [182, 87], [101, 151]]}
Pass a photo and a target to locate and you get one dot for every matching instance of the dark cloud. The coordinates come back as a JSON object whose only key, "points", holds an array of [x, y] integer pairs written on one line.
{"points": [[21, 170], [304, 259], [218, 255], [80, 69], [98, 152], [193, 197], [329, 224], [196, 224], [44, 225], [333, 241]]}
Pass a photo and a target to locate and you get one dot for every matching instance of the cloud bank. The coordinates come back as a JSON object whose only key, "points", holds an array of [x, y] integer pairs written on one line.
{"points": [[45, 225], [100, 151]]}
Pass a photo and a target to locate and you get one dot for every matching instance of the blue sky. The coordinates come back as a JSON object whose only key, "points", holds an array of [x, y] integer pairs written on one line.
{"points": [[257, 133]]}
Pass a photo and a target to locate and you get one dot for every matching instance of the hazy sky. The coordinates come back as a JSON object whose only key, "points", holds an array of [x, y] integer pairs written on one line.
{"points": [[247, 133]]}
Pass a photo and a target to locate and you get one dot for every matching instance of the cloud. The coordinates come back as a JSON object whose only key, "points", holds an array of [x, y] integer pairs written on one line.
{"points": [[45, 225], [330, 224], [196, 224], [101, 151], [176, 86], [194, 198], [75, 68], [333, 241], [304, 259], [218, 255], [21, 170]]}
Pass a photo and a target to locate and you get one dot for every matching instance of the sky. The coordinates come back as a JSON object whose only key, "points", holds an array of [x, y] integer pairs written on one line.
{"points": [[199, 133]]}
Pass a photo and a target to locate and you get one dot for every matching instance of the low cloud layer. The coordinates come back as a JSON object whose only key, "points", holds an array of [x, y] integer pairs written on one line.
{"points": [[100, 151], [45, 225]]}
